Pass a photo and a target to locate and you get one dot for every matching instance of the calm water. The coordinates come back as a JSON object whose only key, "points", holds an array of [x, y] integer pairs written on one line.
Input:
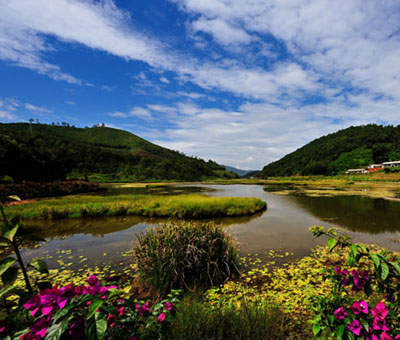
{"points": [[284, 226]]}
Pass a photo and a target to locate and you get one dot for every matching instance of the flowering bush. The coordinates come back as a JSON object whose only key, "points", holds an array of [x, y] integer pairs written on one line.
{"points": [[94, 311], [365, 301]]}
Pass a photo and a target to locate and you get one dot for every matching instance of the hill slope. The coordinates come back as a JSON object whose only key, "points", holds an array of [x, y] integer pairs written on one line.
{"points": [[48, 152], [353, 147]]}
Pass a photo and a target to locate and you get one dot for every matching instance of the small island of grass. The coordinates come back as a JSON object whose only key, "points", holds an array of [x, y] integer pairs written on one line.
{"points": [[191, 206]]}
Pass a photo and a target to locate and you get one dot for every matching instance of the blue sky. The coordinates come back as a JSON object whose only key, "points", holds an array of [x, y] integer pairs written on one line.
{"points": [[242, 82]]}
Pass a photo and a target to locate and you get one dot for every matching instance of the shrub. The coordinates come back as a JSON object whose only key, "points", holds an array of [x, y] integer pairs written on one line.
{"points": [[185, 256]]}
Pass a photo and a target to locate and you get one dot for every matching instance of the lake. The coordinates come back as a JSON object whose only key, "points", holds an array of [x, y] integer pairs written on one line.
{"points": [[283, 226]]}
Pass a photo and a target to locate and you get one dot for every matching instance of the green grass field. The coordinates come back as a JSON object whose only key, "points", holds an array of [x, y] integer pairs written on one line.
{"points": [[192, 206]]}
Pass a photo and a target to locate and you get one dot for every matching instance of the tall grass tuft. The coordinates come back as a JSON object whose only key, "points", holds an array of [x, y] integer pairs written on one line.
{"points": [[185, 256], [196, 320]]}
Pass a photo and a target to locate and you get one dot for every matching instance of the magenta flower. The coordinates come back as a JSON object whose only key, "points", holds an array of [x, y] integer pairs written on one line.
{"points": [[144, 308], [397, 337], [355, 327], [92, 280], [168, 306], [2, 326], [339, 313], [50, 299], [121, 311], [385, 336], [359, 307], [380, 311], [111, 321], [380, 325], [371, 337], [33, 304], [161, 317]]}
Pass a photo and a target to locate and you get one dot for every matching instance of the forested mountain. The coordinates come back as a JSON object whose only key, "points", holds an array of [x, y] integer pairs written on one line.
{"points": [[353, 147], [40, 152]]}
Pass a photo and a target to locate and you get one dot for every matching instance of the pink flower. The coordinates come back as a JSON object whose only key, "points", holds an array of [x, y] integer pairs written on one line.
{"points": [[359, 307], [33, 304], [339, 313], [121, 311], [168, 306], [380, 311], [385, 336], [92, 280], [111, 321], [380, 325], [2, 326], [355, 327], [161, 317], [144, 308], [397, 337]]}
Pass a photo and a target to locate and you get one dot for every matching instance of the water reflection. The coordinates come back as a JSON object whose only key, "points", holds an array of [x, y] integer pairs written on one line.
{"points": [[284, 226]]}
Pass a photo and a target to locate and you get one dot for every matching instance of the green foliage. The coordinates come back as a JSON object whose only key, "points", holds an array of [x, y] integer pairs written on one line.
{"points": [[353, 147], [46, 153], [348, 311], [256, 320], [180, 206], [185, 256]]}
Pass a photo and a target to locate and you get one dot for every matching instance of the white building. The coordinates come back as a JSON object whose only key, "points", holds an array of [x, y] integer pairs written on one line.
{"points": [[391, 164], [374, 166], [357, 171]]}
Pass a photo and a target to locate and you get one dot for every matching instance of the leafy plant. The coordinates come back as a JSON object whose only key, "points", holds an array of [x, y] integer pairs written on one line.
{"points": [[365, 300], [12, 233]]}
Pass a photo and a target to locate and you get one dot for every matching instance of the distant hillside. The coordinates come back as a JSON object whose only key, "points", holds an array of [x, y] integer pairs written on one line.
{"points": [[42, 152], [239, 172], [353, 147]]}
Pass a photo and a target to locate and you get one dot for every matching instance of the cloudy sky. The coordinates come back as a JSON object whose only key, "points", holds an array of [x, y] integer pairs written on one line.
{"points": [[242, 82]]}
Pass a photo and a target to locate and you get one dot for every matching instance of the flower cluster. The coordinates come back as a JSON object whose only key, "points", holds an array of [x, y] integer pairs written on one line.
{"points": [[76, 307], [45, 304], [370, 324], [358, 278]]}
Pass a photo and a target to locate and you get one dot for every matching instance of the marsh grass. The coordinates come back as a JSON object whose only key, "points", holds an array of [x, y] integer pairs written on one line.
{"points": [[196, 320], [185, 256], [180, 206]]}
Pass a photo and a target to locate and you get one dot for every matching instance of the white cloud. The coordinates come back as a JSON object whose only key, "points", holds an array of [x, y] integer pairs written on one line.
{"points": [[164, 80], [223, 32], [34, 108]]}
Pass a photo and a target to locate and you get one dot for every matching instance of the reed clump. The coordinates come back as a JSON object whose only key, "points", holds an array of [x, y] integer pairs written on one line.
{"points": [[185, 256]]}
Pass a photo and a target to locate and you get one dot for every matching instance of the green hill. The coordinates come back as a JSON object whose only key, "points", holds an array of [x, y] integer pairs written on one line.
{"points": [[40, 152], [353, 147]]}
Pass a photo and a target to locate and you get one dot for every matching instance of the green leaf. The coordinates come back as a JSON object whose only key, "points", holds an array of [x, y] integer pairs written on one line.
{"points": [[55, 331], [6, 263], [9, 276], [6, 290], [96, 327], [375, 258], [350, 336], [365, 324], [339, 331], [354, 249], [93, 307], [351, 260], [9, 234], [40, 266], [395, 266], [4, 244], [332, 242], [316, 329], [384, 271]]}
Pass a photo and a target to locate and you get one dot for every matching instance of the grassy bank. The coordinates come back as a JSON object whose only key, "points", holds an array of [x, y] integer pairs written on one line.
{"points": [[180, 206], [370, 185]]}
